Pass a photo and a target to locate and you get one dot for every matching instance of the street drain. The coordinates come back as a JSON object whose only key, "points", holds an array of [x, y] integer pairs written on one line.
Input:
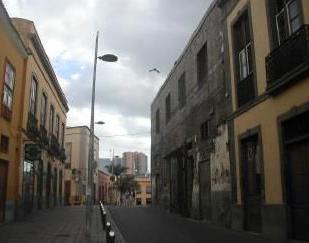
{"points": [[63, 235]]}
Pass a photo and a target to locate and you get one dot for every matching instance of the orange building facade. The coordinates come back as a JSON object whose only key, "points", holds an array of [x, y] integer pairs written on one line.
{"points": [[32, 122]]}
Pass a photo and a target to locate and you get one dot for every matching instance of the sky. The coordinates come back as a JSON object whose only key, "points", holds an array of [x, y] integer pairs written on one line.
{"points": [[144, 34]]}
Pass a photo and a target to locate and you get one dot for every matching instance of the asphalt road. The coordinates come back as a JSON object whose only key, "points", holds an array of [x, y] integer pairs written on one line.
{"points": [[154, 225]]}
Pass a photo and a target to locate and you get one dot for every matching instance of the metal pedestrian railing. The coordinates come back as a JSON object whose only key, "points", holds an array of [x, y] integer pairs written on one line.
{"points": [[107, 227]]}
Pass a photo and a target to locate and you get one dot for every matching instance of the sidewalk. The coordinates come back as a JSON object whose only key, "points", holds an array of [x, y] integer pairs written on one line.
{"points": [[63, 225]]}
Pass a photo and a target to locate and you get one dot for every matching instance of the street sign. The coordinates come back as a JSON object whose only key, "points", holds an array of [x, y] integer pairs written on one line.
{"points": [[32, 152]]}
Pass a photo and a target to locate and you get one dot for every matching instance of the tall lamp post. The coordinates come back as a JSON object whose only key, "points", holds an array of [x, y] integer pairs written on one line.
{"points": [[106, 58]]}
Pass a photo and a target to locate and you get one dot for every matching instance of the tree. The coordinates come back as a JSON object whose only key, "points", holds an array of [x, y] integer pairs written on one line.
{"points": [[126, 184], [116, 170]]}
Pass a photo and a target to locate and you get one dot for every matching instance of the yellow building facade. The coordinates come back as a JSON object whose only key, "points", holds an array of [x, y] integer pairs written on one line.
{"points": [[42, 128], [77, 141], [143, 195], [32, 123], [268, 49]]}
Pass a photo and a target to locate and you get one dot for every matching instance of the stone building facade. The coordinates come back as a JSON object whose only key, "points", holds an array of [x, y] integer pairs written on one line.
{"points": [[190, 157]]}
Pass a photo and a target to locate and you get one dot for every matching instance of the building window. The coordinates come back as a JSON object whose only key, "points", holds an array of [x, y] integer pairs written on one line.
{"points": [[168, 108], [9, 82], [243, 60], [33, 95], [242, 42], [157, 121], [68, 152], [205, 130], [43, 110], [51, 119], [57, 126], [288, 18], [148, 189], [182, 90], [62, 133], [202, 65], [4, 144]]}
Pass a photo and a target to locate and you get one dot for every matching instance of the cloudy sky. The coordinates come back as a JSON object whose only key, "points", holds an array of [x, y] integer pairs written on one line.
{"points": [[143, 33]]}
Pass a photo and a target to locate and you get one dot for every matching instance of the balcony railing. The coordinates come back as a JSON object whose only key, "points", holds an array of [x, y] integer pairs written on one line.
{"points": [[32, 126], [44, 136], [54, 146], [62, 155], [287, 62], [245, 90], [6, 112]]}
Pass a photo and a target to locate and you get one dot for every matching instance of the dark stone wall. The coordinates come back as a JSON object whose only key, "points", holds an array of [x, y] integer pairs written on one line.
{"points": [[180, 139]]}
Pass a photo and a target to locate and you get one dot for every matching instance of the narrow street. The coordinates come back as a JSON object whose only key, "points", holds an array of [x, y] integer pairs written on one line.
{"points": [[154, 225]]}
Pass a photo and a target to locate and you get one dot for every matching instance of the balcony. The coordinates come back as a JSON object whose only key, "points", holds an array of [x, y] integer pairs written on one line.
{"points": [[245, 91], [44, 137], [289, 62], [32, 127], [6, 112], [62, 155], [54, 146]]}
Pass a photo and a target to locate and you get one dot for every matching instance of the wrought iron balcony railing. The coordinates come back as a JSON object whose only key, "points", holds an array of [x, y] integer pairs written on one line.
{"points": [[288, 61], [32, 126], [62, 155], [44, 137], [245, 91], [54, 146]]}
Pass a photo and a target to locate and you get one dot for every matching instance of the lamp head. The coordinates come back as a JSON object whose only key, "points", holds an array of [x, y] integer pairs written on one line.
{"points": [[108, 58]]}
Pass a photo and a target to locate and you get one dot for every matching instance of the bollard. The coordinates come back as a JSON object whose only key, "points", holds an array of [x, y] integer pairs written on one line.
{"points": [[108, 229], [111, 238], [104, 220]]}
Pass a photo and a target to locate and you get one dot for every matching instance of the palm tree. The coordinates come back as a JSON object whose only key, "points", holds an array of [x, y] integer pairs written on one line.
{"points": [[116, 170]]}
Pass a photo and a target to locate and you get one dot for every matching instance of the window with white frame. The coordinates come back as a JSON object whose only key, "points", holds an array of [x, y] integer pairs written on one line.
{"points": [[33, 95], [43, 110], [9, 82], [288, 18]]}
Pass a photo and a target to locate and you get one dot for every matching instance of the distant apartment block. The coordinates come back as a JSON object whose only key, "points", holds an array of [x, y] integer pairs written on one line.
{"points": [[136, 163]]}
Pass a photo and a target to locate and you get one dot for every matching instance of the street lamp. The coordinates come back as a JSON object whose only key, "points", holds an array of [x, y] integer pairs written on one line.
{"points": [[100, 122], [106, 58]]}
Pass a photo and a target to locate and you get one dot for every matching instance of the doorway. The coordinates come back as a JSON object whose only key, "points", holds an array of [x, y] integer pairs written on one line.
{"points": [[28, 186], [40, 184], [48, 185], [296, 153], [251, 183], [67, 192], [60, 188], [205, 190], [55, 181], [3, 184]]}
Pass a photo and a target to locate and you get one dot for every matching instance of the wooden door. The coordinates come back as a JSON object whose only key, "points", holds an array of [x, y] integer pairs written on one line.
{"points": [[67, 192], [60, 187], [48, 185], [39, 186], [298, 189], [296, 157], [3, 184], [28, 186], [251, 184]]}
